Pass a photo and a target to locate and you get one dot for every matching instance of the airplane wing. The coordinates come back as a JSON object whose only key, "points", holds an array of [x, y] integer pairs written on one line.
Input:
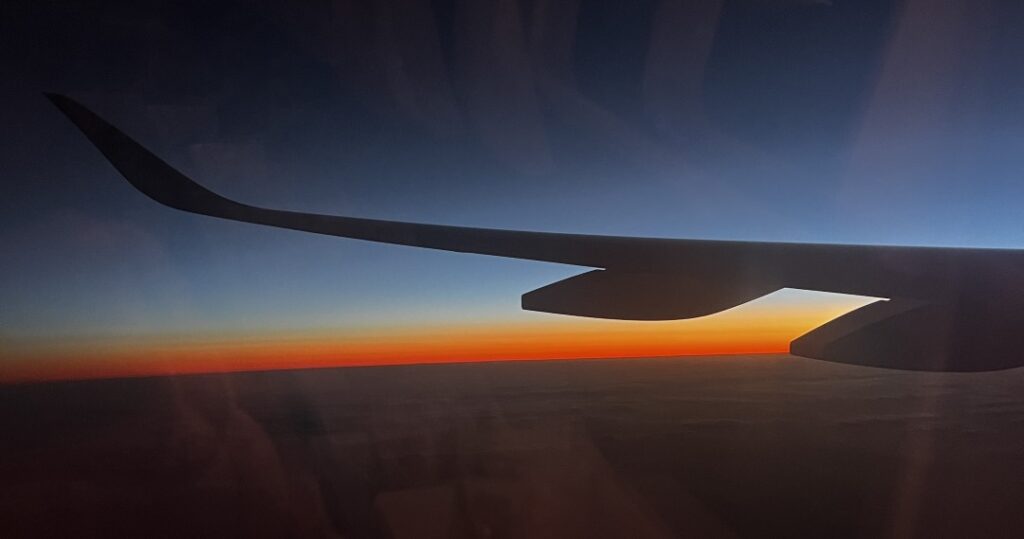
{"points": [[947, 308]]}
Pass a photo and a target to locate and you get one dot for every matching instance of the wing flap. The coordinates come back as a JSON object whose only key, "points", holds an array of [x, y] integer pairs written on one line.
{"points": [[643, 296], [905, 334]]}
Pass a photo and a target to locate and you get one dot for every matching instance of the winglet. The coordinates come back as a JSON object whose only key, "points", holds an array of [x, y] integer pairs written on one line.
{"points": [[147, 172]]}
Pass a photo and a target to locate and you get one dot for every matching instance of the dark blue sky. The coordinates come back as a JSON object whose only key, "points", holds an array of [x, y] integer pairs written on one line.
{"points": [[855, 122]]}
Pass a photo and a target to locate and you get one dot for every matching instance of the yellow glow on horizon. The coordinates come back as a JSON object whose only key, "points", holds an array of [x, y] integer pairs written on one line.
{"points": [[752, 329]]}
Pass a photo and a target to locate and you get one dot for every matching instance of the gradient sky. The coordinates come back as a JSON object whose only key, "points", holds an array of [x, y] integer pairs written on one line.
{"points": [[847, 122]]}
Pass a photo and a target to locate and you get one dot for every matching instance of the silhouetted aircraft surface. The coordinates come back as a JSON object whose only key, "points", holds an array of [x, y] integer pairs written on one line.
{"points": [[947, 309]]}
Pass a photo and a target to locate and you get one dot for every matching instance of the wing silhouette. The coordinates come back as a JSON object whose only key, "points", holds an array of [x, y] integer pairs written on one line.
{"points": [[946, 309]]}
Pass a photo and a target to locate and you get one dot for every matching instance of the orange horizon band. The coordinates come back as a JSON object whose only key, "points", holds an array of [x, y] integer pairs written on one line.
{"points": [[756, 331], [73, 370]]}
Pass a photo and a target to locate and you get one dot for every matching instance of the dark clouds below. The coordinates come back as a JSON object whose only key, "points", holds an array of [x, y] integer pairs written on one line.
{"points": [[673, 447]]}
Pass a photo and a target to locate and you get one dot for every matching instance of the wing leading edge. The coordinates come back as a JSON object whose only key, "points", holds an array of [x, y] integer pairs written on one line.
{"points": [[658, 279]]}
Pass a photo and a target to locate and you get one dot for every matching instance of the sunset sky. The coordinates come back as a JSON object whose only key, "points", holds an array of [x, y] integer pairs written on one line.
{"points": [[856, 122]]}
